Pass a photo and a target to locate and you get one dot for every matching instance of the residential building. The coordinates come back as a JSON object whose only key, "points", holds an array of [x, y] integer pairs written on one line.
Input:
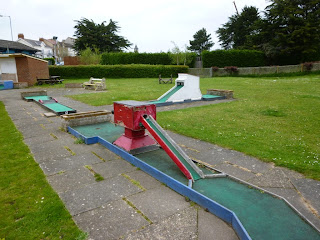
{"points": [[44, 51], [16, 47]]}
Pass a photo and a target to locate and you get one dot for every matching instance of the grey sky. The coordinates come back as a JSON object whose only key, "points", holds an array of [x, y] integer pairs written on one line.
{"points": [[152, 25]]}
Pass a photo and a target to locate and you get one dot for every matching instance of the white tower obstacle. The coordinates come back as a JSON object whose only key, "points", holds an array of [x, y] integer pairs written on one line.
{"points": [[187, 87]]}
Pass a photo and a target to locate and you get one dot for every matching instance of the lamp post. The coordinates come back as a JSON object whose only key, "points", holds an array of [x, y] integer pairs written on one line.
{"points": [[10, 25]]}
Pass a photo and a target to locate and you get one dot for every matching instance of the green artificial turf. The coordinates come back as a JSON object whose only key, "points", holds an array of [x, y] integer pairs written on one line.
{"points": [[29, 208]]}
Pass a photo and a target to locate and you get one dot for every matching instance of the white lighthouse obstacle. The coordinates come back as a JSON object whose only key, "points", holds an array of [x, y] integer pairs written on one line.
{"points": [[187, 88]]}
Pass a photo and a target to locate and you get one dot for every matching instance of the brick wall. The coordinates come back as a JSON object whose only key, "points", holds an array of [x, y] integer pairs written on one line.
{"points": [[28, 69], [71, 60]]}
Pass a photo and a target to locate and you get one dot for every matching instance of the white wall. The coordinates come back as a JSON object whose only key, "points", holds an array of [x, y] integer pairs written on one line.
{"points": [[8, 68]]}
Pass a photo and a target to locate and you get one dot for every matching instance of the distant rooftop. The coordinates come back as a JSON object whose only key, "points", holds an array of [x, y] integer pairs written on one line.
{"points": [[4, 45]]}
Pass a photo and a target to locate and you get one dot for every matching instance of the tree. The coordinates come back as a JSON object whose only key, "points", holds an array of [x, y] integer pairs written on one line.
{"points": [[293, 27], [180, 57], [99, 36], [238, 31], [202, 41]]}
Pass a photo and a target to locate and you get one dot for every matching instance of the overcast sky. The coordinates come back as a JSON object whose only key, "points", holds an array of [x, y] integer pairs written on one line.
{"points": [[151, 25]]}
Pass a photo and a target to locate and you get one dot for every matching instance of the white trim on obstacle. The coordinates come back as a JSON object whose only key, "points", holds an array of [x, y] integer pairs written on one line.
{"points": [[189, 91]]}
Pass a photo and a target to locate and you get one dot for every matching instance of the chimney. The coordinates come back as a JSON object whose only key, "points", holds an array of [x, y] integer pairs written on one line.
{"points": [[41, 39], [20, 35]]}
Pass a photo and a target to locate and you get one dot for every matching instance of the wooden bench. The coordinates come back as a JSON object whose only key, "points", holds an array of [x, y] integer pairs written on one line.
{"points": [[165, 80], [95, 83], [52, 80]]}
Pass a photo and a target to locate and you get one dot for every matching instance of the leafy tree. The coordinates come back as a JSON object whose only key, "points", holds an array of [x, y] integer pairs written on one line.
{"points": [[99, 36], [237, 31], [202, 41], [88, 56], [180, 57], [293, 29]]}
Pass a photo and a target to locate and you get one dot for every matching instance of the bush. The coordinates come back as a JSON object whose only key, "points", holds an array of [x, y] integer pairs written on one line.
{"points": [[135, 58], [215, 69], [231, 69], [51, 61], [240, 58], [307, 66], [117, 71], [88, 56]]}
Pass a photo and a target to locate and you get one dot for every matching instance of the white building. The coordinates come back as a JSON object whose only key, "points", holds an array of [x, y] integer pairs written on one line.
{"points": [[45, 51]]}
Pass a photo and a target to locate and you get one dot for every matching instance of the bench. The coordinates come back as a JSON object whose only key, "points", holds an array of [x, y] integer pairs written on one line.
{"points": [[95, 83], [165, 80], [52, 80]]}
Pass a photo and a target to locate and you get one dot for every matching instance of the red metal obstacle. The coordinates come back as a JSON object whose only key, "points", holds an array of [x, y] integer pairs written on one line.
{"points": [[128, 114]]}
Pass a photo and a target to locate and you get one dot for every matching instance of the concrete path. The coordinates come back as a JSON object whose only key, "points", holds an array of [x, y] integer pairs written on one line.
{"points": [[129, 204]]}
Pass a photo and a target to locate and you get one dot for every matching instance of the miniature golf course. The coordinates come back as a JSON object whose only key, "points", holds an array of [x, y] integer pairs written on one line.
{"points": [[50, 104], [262, 215]]}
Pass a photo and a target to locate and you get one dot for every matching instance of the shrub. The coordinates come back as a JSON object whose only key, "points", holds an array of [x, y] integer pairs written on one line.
{"points": [[51, 61], [308, 66], [135, 58], [240, 58], [88, 56], [117, 71], [231, 69], [215, 69]]}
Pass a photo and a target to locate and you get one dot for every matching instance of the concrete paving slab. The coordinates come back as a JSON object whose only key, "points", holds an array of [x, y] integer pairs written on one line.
{"points": [[113, 168], [235, 171], [181, 225], [310, 189], [54, 166], [39, 139], [275, 178], [211, 227], [144, 179], [214, 154], [110, 221], [32, 131], [97, 194], [159, 203], [71, 179], [48, 147], [53, 155]]}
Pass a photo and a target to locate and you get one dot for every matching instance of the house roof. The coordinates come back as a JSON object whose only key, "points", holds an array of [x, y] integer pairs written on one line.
{"points": [[4, 44], [20, 55], [33, 43]]}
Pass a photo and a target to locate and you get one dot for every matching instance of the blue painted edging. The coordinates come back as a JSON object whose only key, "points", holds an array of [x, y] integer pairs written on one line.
{"points": [[214, 207], [7, 84]]}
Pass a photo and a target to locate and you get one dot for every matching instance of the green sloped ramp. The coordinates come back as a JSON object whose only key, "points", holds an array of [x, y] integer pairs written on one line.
{"points": [[169, 94], [194, 174]]}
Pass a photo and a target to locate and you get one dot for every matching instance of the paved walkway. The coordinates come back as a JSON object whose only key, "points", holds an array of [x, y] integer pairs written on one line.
{"points": [[129, 204]]}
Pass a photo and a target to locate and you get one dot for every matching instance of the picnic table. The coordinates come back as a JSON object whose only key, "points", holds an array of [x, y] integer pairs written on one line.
{"points": [[52, 80]]}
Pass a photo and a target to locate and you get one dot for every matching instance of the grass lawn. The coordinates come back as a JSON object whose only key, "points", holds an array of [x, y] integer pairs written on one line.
{"points": [[142, 89], [276, 119], [29, 208]]}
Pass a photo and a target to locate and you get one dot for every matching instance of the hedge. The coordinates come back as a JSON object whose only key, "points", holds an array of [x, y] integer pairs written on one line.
{"points": [[239, 58], [117, 71], [135, 58]]}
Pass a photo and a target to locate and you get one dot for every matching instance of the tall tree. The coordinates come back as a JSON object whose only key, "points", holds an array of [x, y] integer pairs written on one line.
{"points": [[293, 27], [102, 36], [202, 41], [237, 31]]}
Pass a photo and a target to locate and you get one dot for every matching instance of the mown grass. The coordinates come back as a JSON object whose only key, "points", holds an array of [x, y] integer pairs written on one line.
{"points": [[274, 119], [142, 89], [29, 208]]}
